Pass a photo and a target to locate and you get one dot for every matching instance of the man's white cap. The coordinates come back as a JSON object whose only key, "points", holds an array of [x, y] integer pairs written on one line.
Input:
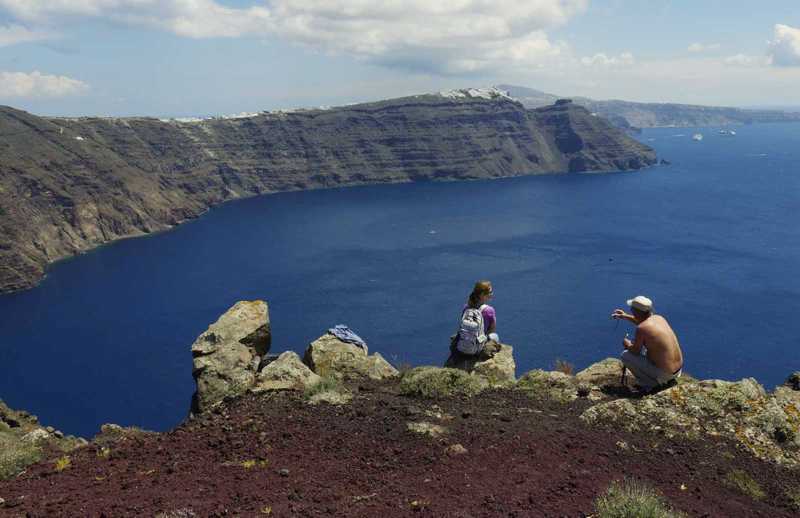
{"points": [[641, 303]]}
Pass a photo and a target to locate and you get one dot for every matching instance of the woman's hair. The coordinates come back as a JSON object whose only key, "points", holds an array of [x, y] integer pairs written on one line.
{"points": [[481, 288]]}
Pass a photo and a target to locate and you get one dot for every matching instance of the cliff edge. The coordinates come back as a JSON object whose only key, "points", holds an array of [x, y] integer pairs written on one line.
{"points": [[68, 185]]}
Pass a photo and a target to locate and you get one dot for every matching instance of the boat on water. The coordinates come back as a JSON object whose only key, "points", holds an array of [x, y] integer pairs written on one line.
{"points": [[727, 132], [697, 136]]}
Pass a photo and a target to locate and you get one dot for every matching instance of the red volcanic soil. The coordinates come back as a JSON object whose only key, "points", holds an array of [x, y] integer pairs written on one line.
{"points": [[276, 455]]}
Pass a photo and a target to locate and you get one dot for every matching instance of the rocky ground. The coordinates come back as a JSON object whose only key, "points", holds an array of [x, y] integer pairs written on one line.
{"points": [[502, 453], [342, 432]]}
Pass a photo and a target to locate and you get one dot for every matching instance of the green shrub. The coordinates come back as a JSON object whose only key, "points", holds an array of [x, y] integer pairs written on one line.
{"points": [[326, 385], [433, 382], [16, 455], [633, 499], [744, 483]]}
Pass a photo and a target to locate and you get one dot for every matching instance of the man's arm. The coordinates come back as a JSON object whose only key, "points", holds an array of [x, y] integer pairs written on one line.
{"points": [[634, 347], [618, 314]]}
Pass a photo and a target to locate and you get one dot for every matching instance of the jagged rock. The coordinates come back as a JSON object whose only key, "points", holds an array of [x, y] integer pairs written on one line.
{"points": [[435, 382], [287, 372], [226, 355], [549, 384], [425, 428], [329, 357], [605, 373], [455, 449], [766, 425], [499, 369]]}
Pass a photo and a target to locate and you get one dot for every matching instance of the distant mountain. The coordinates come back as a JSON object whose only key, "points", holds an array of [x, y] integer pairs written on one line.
{"points": [[630, 115], [70, 184]]}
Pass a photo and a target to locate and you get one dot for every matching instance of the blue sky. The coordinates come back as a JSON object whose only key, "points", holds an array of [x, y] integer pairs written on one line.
{"points": [[209, 57]]}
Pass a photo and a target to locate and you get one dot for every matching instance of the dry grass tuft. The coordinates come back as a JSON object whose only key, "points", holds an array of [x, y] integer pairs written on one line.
{"points": [[633, 499], [564, 366], [744, 483]]}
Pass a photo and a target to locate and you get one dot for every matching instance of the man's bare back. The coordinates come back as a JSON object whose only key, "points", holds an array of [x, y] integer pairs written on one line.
{"points": [[663, 349]]}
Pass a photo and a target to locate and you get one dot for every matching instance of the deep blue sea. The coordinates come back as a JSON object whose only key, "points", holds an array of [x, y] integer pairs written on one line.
{"points": [[712, 239]]}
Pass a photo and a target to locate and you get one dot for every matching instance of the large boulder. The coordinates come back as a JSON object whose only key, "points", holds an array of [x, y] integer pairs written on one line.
{"points": [[768, 425], [227, 354], [500, 368], [603, 374], [329, 357], [287, 372]]}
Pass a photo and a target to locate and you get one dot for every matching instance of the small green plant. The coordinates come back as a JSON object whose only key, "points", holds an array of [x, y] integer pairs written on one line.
{"points": [[633, 499], [744, 483], [433, 382], [325, 385], [62, 463], [564, 366], [255, 463]]}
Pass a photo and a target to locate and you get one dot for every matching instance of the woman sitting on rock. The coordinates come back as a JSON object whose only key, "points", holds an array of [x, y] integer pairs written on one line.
{"points": [[476, 339]]}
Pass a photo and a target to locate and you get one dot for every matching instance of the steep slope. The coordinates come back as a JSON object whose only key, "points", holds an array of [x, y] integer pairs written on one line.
{"points": [[67, 185]]}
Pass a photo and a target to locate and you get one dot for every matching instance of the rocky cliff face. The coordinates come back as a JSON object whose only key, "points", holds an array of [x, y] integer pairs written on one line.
{"points": [[67, 185]]}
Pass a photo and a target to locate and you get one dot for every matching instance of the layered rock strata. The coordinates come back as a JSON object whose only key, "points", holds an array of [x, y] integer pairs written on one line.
{"points": [[68, 185]]}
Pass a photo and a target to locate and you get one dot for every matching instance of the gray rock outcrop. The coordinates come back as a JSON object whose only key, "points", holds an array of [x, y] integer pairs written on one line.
{"points": [[498, 370], [227, 354], [767, 425], [329, 357], [287, 372]]}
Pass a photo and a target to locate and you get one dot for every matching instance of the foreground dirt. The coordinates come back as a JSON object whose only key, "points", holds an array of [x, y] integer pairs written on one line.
{"points": [[276, 455]]}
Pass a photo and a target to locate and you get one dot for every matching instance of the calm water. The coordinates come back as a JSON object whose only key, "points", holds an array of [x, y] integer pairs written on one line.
{"points": [[712, 239]]}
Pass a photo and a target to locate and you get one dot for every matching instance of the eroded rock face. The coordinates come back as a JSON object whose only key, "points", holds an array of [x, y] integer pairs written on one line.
{"points": [[140, 175], [768, 425], [227, 354], [287, 372], [329, 357]]}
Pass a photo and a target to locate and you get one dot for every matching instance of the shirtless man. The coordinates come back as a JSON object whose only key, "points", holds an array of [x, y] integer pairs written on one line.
{"points": [[664, 360]]}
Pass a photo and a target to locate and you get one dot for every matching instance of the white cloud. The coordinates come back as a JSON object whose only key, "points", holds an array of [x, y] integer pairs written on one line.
{"points": [[744, 60], [784, 49], [625, 59], [14, 34], [38, 85], [444, 36], [703, 47]]}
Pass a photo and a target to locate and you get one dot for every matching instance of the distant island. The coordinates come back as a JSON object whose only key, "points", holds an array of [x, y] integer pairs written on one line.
{"points": [[70, 184], [634, 115]]}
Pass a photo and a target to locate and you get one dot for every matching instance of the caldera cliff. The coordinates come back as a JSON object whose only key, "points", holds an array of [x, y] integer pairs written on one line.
{"points": [[68, 185]]}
